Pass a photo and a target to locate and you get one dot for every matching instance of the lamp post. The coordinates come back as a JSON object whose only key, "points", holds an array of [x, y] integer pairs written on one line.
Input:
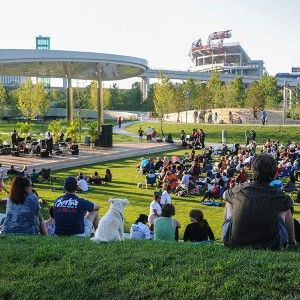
{"points": [[187, 101]]}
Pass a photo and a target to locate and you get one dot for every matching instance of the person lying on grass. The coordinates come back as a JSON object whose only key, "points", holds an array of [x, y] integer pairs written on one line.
{"points": [[257, 214]]}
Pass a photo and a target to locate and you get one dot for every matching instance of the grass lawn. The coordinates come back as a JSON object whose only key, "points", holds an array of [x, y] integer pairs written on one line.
{"points": [[236, 133], [76, 268], [124, 185]]}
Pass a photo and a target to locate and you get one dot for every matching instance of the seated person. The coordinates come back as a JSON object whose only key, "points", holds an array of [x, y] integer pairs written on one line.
{"points": [[257, 214], [50, 223], [169, 138], [23, 210], [34, 176], [166, 228], [150, 178], [139, 230], [95, 179], [82, 185], [198, 230], [155, 209], [12, 171], [108, 176], [291, 184], [82, 175], [159, 163], [74, 215]]}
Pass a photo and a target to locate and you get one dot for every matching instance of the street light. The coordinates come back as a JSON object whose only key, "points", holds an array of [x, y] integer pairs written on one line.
{"points": [[187, 101]]}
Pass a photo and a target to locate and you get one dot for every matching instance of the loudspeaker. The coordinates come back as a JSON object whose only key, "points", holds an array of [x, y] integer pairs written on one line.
{"points": [[105, 139]]}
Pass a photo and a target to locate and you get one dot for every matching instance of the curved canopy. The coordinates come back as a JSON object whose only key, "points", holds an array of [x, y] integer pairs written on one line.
{"points": [[72, 64]]}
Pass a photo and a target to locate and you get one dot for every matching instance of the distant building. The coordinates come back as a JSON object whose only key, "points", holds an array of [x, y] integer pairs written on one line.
{"points": [[11, 81], [43, 43], [228, 58], [295, 74]]}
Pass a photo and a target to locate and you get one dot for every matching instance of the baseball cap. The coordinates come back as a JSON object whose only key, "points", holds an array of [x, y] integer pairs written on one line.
{"points": [[70, 184]]}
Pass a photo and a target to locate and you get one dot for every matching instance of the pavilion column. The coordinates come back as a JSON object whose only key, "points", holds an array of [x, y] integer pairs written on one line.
{"points": [[70, 104], [145, 84], [100, 112]]}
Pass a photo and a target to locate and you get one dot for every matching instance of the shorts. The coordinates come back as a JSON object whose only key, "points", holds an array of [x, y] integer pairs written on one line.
{"points": [[282, 231], [88, 229]]}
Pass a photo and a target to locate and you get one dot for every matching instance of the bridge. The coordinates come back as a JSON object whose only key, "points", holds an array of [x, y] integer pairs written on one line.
{"points": [[203, 76]]}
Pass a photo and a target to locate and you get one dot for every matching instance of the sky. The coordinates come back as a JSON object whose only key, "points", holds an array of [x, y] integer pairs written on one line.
{"points": [[160, 31]]}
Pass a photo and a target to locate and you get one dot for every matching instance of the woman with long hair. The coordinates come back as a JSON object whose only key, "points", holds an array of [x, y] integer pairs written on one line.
{"points": [[198, 230], [23, 210]]}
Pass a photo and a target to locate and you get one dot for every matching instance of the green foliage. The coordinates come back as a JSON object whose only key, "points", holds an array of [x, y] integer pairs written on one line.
{"points": [[24, 127], [255, 97], [271, 92], [215, 88], [179, 100], [234, 93], [56, 128], [93, 131], [73, 131], [32, 99], [3, 100], [203, 98]]}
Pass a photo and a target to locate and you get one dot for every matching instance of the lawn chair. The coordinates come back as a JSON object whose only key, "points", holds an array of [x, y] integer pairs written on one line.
{"points": [[46, 175]]}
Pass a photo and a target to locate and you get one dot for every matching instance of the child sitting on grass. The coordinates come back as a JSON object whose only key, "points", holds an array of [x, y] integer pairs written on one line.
{"points": [[50, 223]]}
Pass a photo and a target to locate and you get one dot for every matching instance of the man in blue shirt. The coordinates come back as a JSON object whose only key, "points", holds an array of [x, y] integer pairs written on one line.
{"points": [[74, 215], [264, 117]]}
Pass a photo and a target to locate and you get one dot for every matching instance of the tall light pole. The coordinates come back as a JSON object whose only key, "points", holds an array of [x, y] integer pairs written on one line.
{"points": [[187, 102]]}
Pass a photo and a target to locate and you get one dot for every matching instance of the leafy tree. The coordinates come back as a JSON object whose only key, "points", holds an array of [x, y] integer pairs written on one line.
{"points": [[32, 99], [178, 103], [12, 103], [3, 100], [93, 96], [55, 127], [271, 91], [203, 98], [73, 130], [255, 97], [24, 127], [234, 93], [215, 88], [148, 103], [93, 131], [163, 96]]}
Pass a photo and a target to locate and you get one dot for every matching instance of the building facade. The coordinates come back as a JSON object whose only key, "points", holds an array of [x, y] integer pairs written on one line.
{"points": [[43, 43]]}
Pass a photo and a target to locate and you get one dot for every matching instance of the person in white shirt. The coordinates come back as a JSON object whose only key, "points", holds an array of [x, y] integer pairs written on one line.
{"points": [[165, 196], [155, 209], [139, 230], [82, 184], [184, 183], [149, 131]]}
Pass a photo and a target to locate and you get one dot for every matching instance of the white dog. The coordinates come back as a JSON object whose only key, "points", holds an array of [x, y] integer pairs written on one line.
{"points": [[110, 227]]}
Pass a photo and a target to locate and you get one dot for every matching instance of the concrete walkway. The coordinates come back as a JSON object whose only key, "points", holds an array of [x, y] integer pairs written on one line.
{"points": [[86, 156]]}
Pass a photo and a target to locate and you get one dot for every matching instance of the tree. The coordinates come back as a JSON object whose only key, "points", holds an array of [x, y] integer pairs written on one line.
{"points": [[24, 127], [3, 100], [179, 99], [255, 98], [270, 89], [32, 99], [234, 93], [73, 130], [215, 88], [55, 127], [163, 96], [93, 96], [93, 131], [203, 98]]}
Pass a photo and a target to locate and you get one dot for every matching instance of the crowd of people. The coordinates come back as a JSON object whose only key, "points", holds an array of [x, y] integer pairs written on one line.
{"points": [[258, 209]]}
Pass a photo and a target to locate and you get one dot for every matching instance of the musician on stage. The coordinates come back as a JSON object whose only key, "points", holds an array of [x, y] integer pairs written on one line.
{"points": [[14, 139]]}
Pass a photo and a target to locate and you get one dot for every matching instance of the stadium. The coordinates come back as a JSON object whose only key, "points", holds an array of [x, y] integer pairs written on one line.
{"points": [[228, 58]]}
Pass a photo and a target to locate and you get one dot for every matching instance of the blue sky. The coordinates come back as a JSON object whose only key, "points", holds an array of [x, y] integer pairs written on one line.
{"points": [[160, 31]]}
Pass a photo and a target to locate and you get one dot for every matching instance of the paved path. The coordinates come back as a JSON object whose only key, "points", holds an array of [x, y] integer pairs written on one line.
{"points": [[86, 156]]}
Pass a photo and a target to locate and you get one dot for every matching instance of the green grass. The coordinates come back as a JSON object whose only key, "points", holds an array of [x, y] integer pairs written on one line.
{"points": [[236, 133], [124, 185], [76, 268]]}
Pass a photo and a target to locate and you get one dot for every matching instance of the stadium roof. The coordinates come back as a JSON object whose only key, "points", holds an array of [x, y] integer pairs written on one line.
{"points": [[74, 64]]}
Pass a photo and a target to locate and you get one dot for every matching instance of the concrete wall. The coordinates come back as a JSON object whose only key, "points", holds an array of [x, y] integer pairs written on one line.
{"points": [[246, 115]]}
